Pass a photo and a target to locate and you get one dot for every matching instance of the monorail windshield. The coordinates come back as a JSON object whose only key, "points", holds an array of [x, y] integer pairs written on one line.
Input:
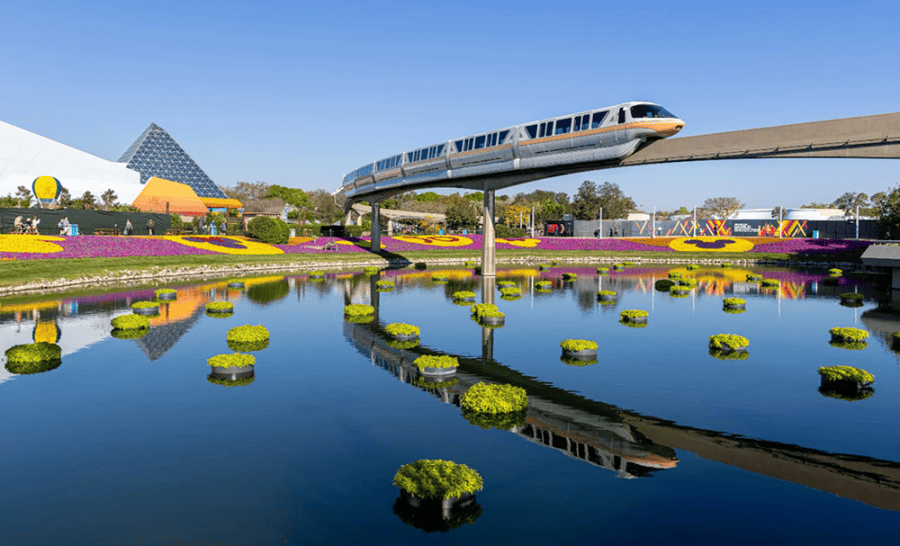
{"points": [[650, 111]]}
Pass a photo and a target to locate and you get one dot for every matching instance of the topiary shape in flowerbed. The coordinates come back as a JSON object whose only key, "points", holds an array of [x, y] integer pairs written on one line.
{"points": [[130, 322], [846, 334], [484, 398], [32, 358], [663, 285], [464, 295], [634, 315], [728, 343], [433, 479], [384, 286], [232, 360], [602, 270], [402, 330], [435, 363], [240, 382]]}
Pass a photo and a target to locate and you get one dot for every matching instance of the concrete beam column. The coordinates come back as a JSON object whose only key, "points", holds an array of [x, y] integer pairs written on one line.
{"points": [[376, 228], [348, 218], [489, 244]]}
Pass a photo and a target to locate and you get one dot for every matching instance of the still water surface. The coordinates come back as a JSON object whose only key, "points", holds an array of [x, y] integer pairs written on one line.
{"points": [[659, 442]]}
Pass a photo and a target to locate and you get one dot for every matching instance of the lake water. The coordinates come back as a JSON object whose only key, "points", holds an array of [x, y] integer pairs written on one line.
{"points": [[128, 441]]}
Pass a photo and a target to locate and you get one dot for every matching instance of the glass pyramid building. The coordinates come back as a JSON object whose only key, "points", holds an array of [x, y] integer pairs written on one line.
{"points": [[155, 153]]}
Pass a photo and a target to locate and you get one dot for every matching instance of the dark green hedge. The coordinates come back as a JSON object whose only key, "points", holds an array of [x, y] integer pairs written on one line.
{"points": [[269, 230]]}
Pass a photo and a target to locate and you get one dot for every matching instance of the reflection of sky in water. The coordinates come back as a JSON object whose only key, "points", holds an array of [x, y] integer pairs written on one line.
{"points": [[155, 446]]}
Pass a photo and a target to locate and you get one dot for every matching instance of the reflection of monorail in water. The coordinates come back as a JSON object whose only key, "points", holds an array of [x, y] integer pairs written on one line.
{"points": [[577, 434], [599, 135]]}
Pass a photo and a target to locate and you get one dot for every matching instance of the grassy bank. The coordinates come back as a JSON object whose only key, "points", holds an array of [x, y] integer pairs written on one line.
{"points": [[30, 271]]}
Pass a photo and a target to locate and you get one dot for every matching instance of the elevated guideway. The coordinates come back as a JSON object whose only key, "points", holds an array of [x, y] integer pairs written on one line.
{"points": [[866, 137]]}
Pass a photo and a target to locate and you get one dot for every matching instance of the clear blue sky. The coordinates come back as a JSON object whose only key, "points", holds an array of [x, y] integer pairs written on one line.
{"points": [[299, 93]]}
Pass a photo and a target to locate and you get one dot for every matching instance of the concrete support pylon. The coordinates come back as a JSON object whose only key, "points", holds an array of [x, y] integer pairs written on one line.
{"points": [[376, 228], [488, 244]]}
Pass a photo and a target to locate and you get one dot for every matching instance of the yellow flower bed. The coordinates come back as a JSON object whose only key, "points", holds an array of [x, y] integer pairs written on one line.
{"points": [[31, 244], [524, 243], [435, 240]]}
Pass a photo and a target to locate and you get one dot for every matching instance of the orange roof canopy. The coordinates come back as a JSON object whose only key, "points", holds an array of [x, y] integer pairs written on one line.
{"points": [[219, 203], [180, 198]]}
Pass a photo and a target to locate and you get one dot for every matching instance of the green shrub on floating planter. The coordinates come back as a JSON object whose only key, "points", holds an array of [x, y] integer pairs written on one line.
{"points": [[691, 267], [630, 314], [234, 281], [145, 305], [680, 292], [383, 285], [835, 272], [674, 274], [421, 265], [842, 394], [232, 360], [463, 294], [423, 382], [437, 479], [544, 267], [440, 277], [402, 329], [316, 274], [732, 342], [848, 334], [220, 309], [570, 276], [628, 263], [499, 421], [130, 322], [129, 334], [754, 277], [484, 398], [242, 382], [501, 284], [511, 297], [690, 283], [370, 270], [555, 262], [664, 285], [433, 361], [543, 285], [248, 334], [480, 309], [163, 291], [470, 265], [358, 310], [602, 270], [845, 374], [726, 264], [31, 353], [403, 345], [568, 361], [618, 267], [575, 345], [852, 296], [510, 291], [606, 293], [491, 314], [770, 283], [734, 301], [731, 355], [849, 345]]}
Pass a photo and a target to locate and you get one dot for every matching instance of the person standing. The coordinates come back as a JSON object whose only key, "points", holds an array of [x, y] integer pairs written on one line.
{"points": [[128, 227], [150, 225]]}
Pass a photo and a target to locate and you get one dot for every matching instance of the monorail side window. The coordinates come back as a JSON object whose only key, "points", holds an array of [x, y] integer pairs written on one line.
{"points": [[470, 143], [504, 133], [585, 122], [577, 125], [532, 131], [650, 111], [597, 119], [459, 146], [549, 128], [440, 150], [543, 126], [563, 126], [479, 142], [621, 115]]}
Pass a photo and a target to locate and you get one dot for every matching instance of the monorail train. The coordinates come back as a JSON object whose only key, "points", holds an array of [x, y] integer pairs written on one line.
{"points": [[605, 134]]}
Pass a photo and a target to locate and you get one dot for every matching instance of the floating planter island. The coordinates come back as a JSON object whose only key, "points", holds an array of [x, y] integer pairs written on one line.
{"points": [[852, 299], [734, 304], [851, 382], [440, 278], [220, 309], [608, 296], [618, 267], [444, 485], [487, 314], [166, 294], [464, 296], [316, 275], [402, 331], [235, 283], [544, 267], [247, 338], [32, 358], [770, 284], [569, 276], [384, 285], [634, 316], [543, 286], [146, 308], [438, 367], [848, 338], [753, 277], [370, 270], [497, 406], [579, 349], [232, 366], [728, 343], [359, 313], [603, 271]]}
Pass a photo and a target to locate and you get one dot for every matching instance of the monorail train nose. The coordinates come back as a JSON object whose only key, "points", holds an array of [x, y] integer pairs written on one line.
{"points": [[669, 128]]}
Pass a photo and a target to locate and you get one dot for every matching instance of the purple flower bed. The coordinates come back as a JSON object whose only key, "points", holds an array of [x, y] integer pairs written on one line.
{"points": [[812, 246], [552, 243], [89, 246]]}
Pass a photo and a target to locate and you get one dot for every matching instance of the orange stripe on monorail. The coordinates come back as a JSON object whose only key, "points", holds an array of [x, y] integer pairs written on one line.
{"points": [[482, 150], [660, 126]]}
